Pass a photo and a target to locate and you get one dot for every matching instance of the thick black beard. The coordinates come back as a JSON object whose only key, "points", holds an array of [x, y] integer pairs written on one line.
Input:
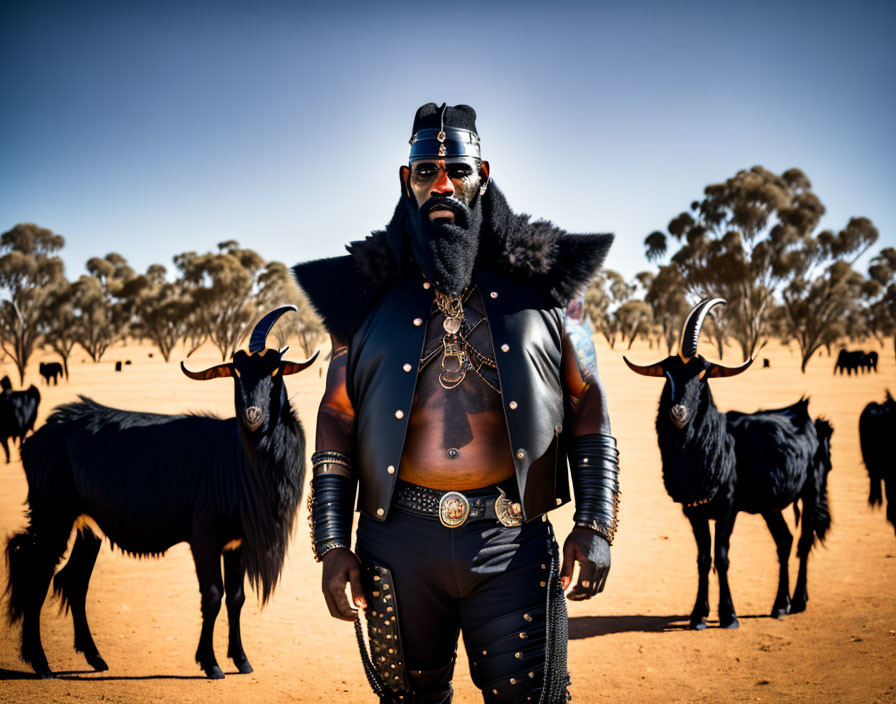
{"points": [[446, 251]]}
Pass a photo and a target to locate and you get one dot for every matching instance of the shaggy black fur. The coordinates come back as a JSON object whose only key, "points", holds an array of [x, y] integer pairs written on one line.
{"points": [[150, 481], [344, 289], [718, 464], [18, 413], [877, 428]]}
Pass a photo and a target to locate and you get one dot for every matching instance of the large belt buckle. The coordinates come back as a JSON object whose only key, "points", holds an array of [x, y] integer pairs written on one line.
{"points": [[509, 513], [454, 508]]}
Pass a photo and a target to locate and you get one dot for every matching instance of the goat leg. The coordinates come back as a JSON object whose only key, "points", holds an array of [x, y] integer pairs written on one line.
{"points": [[700, 526], [724, 528], [804, 546], [783, 542], [235, 596], [211, 587], [71, 584]]}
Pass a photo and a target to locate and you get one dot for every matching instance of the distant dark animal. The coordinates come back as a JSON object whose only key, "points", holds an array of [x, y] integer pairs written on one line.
{"points": [[766, 363], [877, 429], [150, 355], [718, 464], [5, 383], [850, 361], [50, 370], [228, 487], [118, 366], [18, 413], [869, 361], [127, 361]]}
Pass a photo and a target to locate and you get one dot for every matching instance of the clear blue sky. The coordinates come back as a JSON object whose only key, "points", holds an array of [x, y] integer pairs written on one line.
{"points": [[155, 128]]}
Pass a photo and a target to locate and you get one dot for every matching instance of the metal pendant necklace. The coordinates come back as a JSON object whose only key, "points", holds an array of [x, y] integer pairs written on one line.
{"points": [[454, 360]]}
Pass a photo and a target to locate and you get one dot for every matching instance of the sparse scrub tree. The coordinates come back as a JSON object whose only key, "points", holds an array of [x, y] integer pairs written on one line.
{"points": [[734, 242], [29, 268], [820, 285]]}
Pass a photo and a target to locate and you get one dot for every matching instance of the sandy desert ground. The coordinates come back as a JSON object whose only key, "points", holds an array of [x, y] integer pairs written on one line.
{"points": [[629, 644]]}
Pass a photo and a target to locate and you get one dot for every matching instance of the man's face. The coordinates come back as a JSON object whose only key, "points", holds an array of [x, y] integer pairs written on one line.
{"points": [[457, 178]]}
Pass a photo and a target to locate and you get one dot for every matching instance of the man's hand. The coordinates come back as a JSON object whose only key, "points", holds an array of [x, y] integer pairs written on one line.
{"points": [[342, 567], [592, 552]]}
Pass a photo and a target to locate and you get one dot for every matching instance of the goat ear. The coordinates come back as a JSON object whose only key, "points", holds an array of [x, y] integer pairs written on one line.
{"points": [[651, 370], [216, 372], [718, 370], [296, 367]]}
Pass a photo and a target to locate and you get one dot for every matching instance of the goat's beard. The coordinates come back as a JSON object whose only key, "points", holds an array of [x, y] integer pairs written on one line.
{"points": [[446, 251]]}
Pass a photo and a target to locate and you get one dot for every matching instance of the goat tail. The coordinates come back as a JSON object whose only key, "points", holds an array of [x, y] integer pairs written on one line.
{"points": [[21, 556], [819, 509]]}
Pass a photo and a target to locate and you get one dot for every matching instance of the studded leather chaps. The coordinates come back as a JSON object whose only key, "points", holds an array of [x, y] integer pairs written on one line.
{"points": [[497, 585]]}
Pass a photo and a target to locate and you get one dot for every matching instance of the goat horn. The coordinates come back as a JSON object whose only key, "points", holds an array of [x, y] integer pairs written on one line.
{"points": [[719, 370], [690, 331], [296, 367], [257, 340], [650, 370], [215, 372]]}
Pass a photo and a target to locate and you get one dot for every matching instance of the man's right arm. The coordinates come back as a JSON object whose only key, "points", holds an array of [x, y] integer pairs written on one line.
{"points": [[333, 487]]}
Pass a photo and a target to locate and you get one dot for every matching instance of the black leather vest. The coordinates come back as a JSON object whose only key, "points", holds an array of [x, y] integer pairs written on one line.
{"points": [[526, 337]]}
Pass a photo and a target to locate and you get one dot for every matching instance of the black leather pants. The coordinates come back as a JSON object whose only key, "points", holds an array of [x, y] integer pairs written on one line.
{"points": [[483, 579]]}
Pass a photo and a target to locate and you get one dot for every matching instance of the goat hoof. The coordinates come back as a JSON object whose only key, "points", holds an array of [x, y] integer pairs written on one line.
{"points": [[798, 606], [244, 667], [698, 625], [730, 625], [779, 613], [214, 673], [97, 663]]}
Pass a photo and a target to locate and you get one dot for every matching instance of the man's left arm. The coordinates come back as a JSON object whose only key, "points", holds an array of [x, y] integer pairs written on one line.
{"points": [[594, 464]]}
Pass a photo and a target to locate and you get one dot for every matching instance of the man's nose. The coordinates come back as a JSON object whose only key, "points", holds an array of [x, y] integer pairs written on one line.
{"points": [[443, 185]]}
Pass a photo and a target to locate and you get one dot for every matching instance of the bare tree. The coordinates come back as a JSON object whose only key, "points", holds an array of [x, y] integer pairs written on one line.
{"points": [[28, 270]]}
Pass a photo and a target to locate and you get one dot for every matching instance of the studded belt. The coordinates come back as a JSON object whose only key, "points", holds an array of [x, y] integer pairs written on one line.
{"points": [[453, 508]]}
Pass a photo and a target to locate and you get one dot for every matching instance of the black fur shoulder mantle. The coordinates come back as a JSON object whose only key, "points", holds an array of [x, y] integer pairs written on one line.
{"points": [[343, 289]]}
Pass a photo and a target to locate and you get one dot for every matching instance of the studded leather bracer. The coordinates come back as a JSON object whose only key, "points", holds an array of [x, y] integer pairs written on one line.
{"points": [[330, 506], [594, 463]]}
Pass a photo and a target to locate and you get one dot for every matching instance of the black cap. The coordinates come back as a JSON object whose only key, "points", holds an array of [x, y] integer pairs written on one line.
{"points": [[443, 131]]}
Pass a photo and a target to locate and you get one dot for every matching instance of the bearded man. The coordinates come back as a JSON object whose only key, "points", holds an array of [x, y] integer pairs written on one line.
{"points": [[457, 391]]}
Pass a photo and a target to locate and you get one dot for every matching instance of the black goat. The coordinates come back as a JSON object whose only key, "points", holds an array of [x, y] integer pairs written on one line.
{"points": [[877, 428], [51, 370], [718, 464], [850, 361], [18, 413], [228, 487], [869, 361]]}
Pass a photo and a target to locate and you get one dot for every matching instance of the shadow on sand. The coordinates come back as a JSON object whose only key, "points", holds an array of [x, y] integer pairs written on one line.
{"points": [[91, 676], [589, 626]]}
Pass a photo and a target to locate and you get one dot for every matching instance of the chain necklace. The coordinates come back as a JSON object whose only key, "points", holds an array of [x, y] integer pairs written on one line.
{"points": [[454, 360]]}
